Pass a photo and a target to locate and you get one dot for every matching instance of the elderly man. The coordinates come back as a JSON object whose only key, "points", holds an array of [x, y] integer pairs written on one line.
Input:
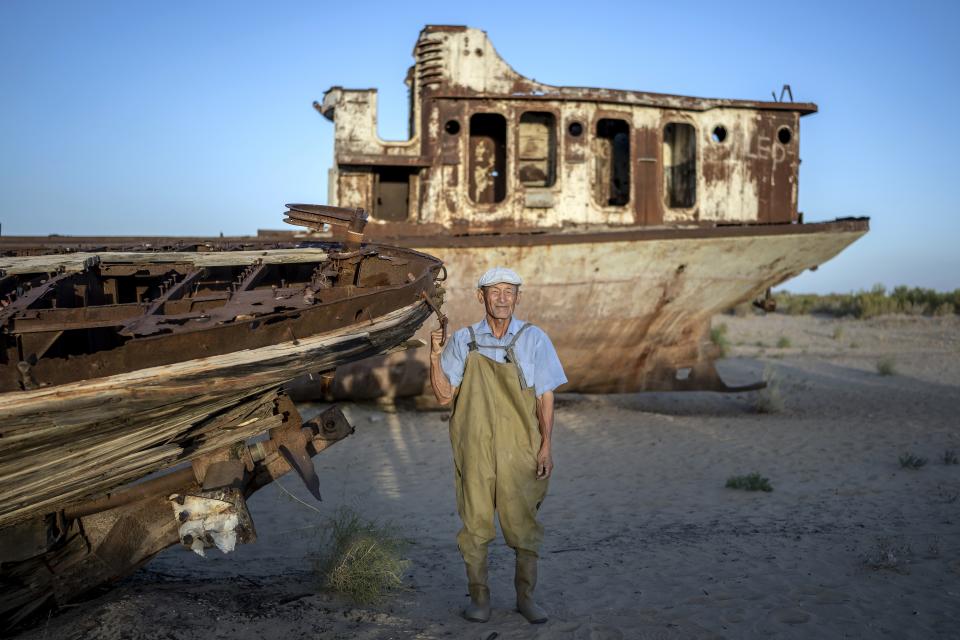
{"points": [[500, 375]]}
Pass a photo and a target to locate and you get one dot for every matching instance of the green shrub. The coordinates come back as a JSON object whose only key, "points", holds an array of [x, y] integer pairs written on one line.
{"points": [[718, 336], [950, 457], [910, 461], [838, 332], [886, 366], [783, 342], [361, 560], [875, 302], [750, 482]]}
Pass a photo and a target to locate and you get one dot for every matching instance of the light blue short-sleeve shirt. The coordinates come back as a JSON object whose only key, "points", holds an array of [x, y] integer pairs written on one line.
{"points": [[535, 354]]}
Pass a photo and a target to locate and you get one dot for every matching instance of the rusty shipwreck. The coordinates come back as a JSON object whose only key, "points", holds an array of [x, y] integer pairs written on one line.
{"points": [[115, 365], [634, 217]]}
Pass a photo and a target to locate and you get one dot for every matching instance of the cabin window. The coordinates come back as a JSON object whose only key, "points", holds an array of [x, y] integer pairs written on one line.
{"points": [[488, 158], [537, 149], [391, 193], [680, 164], [612, 153]]}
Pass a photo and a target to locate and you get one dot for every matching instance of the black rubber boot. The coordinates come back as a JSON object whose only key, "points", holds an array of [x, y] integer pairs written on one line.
{"points": [[526, 581], [479, 608]]}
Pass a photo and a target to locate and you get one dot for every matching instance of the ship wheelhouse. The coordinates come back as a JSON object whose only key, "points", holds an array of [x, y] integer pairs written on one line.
{"points": [[491, 149]]}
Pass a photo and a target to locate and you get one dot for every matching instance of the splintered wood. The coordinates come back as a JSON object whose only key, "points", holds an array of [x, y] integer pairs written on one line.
{"points": [[72, 442], [79, 261]]}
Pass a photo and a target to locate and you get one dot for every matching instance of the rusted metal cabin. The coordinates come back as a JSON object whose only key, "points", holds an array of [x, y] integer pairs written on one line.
{"points": [[633, 216], [490, 148]]}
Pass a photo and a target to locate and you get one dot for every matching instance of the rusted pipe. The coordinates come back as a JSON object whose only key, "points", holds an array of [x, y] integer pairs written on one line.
{"points": [[440, 316], [158, 486]]}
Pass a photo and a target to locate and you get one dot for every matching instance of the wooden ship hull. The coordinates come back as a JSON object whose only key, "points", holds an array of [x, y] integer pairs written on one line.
{"points": [[120, 365]]}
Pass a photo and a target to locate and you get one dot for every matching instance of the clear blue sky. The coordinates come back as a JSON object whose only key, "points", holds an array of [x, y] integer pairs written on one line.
{"points": [[194, 117]]}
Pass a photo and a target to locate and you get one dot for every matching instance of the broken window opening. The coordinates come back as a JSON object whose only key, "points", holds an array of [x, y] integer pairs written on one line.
{"points": [[391, 198], [680, 164], [537, 149], [488, 158], [612, 153]]}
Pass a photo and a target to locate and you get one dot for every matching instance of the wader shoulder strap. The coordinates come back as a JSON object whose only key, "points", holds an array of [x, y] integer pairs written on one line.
{"points": [[509, 347], [512, 358], [516, 336]]}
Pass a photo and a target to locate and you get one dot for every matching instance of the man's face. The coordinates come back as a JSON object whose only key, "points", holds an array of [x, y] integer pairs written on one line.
{"points": [[499, 299]]}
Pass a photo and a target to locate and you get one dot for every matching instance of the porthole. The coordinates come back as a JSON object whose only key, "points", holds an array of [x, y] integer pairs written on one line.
{"points": [[784, 135], [719, 133], [452, 127], [575, 129]]}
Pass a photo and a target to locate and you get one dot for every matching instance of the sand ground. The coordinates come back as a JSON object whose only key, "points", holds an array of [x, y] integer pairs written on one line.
{"points": [[643, 540]]}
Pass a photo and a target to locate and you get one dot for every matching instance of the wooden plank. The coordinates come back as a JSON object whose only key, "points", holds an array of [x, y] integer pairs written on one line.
{"points": [[74, 262], [68, 443]]}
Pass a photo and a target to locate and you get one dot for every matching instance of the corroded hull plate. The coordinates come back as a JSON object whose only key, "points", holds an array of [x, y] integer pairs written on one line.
{"points": [[627, 310]]}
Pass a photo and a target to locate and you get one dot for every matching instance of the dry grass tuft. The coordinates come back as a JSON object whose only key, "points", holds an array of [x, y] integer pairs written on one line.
{"points": [[890, 554], [769, 399], [361, 560]]}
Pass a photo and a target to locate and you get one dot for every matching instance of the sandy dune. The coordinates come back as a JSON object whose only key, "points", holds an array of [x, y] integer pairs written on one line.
{"points": [[643, 540]]}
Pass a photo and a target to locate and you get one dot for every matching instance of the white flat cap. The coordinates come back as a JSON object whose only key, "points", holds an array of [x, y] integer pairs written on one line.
{"points": [[499, 275]]}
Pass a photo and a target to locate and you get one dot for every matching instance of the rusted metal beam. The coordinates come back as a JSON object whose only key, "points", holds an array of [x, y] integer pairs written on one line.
{"points": [[32, 295], [170, 290]]}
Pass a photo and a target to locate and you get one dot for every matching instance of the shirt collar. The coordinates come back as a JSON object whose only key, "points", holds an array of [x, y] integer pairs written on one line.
{"points": [[483, 328]]}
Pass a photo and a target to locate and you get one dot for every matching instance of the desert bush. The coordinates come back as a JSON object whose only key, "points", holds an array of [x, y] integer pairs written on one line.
{"points": [[910, 461], [718, 336], [875, 302], [838, 332], [950, 457], [783, 342], [750, 482], [886, 366], [361, 559]]}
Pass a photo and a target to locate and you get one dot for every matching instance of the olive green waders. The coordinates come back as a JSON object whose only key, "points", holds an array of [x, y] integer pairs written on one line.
{"points": [[496, 437]]}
